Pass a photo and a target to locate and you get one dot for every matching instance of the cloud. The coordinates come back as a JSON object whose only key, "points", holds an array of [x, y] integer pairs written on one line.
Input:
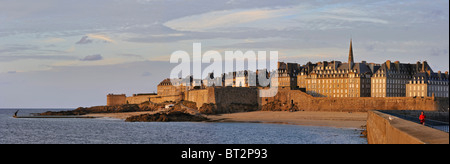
{"points": [[222, 19], [54, 40], [10, 58], [15, 48], [92, 57], [356, 19], [128, 55], [89, 39], [84, 40], [101, 37], [439, 52], [307, 16]]}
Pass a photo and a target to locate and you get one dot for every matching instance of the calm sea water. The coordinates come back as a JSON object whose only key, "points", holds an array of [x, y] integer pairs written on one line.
{"points": [[106, 131]]}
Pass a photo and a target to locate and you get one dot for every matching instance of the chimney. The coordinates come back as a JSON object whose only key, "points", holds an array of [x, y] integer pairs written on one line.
{"points": [[425, 66], [388, 64], [397, 66], [418, 66], [325, 63]]}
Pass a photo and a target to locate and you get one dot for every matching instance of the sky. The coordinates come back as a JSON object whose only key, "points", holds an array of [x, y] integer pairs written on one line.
{"points": [[72, 53]]}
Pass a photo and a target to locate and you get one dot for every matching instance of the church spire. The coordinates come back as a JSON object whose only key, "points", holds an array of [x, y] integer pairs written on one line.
{"points": [[351, 61]]}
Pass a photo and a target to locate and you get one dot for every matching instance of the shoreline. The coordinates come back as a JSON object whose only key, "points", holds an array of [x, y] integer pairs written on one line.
{"points": [[352, 120], [304, 118]]}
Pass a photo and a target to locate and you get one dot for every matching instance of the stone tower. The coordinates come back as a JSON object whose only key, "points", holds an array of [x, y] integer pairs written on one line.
{"points": [[113, 99]]}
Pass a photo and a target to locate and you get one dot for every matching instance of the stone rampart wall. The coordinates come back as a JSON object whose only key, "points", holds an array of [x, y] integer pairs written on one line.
{"points": [[139, 99], [224, 96], [386, 129], [112, 100], [198, 96], [306, 102]]}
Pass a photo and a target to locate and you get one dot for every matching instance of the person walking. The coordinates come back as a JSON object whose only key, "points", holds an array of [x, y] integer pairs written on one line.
{"points": [[15, 114], [422, 118]]}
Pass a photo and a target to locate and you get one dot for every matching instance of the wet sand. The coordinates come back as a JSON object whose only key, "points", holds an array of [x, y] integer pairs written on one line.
{"points": [[306, 118]]}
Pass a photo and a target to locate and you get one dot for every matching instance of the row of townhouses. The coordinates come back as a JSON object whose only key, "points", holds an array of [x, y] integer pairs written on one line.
{"points": [[350, 79]]}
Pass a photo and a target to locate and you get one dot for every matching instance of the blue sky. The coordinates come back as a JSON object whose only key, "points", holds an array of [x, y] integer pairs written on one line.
{"points": [[70, 53]]}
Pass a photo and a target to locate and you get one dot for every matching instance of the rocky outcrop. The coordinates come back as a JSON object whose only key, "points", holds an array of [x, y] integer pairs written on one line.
{"points": [[211, 108], [149, 106], [174, 116], [146, 106], [278, 106]]}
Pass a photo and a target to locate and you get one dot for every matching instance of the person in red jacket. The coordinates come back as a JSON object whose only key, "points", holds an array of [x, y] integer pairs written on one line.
{"points": [[422, 118]]}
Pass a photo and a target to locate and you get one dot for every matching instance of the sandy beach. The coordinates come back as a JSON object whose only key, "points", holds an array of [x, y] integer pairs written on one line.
{"points": [[306, 118], [330, 119]]}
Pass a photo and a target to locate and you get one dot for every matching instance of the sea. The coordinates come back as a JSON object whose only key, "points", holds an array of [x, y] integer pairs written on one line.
{"points": [[116, 131]]}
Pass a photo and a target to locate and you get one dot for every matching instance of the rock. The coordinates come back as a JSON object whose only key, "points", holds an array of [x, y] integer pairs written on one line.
{"points": [[211, 108], [174, 116], [278, 106], [149, 106], [97, 109], [208, 108]]}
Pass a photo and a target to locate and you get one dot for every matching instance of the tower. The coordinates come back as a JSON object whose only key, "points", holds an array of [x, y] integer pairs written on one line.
{"points": [[114, 99], [351, 60]]}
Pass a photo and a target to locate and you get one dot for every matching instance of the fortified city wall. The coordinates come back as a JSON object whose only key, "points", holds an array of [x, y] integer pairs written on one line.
{"points": [[224, 97], [115, 99], [303, 101]]}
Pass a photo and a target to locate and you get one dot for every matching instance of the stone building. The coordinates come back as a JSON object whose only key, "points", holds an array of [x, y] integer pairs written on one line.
{"points": [[287, 75], [303, 74], [246, 79], [336, 79], [390, 79], [166, 88], [428, 84], [333, 79], [242, 79]]}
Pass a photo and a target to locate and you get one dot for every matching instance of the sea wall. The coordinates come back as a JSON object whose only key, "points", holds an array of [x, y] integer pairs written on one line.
{"points": [[227, 96], [224, 97], [121, 99], [386, 129], [116, 99], [139, 99], [162, 99], [303, 101], [286, 99], [200, 96]]}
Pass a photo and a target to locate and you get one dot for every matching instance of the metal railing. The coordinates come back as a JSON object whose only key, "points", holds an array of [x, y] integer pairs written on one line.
{"points": [[439, 125]]}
